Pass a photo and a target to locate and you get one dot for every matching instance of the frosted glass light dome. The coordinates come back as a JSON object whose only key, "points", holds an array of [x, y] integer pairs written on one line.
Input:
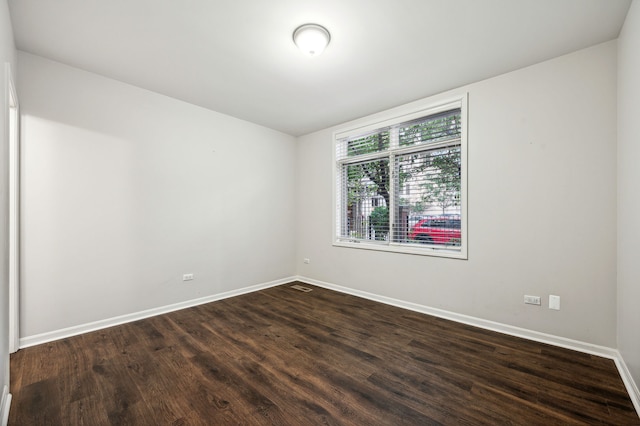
{"points": [[312, 39]]}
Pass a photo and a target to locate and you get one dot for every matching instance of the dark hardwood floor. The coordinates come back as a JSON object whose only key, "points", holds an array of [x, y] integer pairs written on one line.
{"points": [[281, 356]]}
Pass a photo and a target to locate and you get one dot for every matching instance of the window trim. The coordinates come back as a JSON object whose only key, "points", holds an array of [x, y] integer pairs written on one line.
{"points": [[393, 117]]}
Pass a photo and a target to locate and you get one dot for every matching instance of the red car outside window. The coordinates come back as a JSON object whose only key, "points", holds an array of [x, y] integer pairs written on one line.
{"points": [[443, 230]]}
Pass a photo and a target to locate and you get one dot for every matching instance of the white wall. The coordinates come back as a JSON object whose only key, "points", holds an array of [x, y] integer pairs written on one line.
{"points": [[125, 190], [7, 54], [542, 207], [629, 191]]}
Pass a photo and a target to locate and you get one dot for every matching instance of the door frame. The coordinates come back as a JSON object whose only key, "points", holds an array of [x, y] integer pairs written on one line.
{"points": [[13, 137]]}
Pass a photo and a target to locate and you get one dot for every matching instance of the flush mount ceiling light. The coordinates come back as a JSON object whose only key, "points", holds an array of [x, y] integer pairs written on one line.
{"points": [[312, 39]]}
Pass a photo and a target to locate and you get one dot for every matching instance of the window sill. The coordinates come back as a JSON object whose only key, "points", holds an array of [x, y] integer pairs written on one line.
{"points": [[404, 249]]}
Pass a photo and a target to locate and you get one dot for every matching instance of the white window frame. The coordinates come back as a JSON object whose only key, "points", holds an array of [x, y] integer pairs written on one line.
{"points": [[390, 118]]}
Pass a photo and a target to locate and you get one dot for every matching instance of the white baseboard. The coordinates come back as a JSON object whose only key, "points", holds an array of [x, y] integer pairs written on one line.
{"points": [[629, 383], [550, 339], [563, 342], [50, 336], [6, 405]]}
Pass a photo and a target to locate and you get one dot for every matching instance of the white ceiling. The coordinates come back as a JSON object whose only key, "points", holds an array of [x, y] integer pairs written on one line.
{"points": [[237, 56]]}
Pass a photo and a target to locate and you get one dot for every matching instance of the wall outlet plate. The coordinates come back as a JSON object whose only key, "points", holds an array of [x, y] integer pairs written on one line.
{"points": [[531, 300], [187, 277], [554, 302]]}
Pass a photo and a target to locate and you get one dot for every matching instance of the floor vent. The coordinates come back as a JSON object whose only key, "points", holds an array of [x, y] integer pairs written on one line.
{"points": [[301, 288]]}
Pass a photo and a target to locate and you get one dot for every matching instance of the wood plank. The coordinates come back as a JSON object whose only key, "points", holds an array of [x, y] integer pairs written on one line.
{"points": [[281, 356]]}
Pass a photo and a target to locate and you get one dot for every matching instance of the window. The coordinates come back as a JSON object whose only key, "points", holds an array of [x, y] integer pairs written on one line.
{"points": [[401, 183]]}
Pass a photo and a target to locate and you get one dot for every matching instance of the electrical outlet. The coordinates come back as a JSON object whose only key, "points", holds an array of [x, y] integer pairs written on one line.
{"points": [[307, 260], [187, 277], [554, 302], [531, 300]]}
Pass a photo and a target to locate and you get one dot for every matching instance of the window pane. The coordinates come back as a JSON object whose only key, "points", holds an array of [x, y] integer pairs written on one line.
{"points": [[435, 128], [428, 197], [367, 144], [366, 189]]}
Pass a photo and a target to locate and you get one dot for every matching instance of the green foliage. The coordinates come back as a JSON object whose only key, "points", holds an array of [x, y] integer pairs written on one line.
{"points": [[377, 182], [357, 188], [376, 142], [379, 221], [443, 188], [440, 127], [377, 172]]}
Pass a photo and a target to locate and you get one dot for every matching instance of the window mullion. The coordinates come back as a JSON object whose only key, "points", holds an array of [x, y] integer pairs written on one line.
{"points": [[394, 143], [344, 201], [363, 158], [394, 137]]}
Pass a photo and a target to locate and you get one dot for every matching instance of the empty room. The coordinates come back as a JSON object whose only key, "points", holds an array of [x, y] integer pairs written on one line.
{"points": [[308, 212]]}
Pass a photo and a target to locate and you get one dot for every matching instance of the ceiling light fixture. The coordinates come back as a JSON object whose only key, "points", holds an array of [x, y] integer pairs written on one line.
{"points": [[312, 39]]}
